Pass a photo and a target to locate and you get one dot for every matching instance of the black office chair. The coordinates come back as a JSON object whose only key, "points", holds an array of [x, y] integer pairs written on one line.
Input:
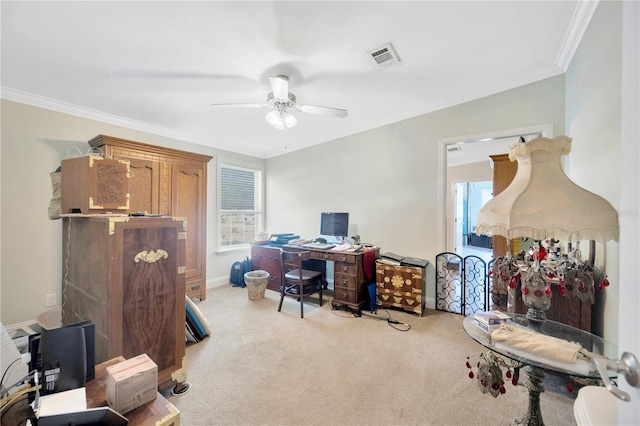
{"points": [[298, 282]]}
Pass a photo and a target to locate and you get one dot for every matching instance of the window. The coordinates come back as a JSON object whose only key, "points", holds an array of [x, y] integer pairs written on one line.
{"points": [[240, 192]]}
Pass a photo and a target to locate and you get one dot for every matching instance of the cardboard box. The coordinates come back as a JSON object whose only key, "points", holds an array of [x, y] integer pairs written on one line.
{"points": [[132, 383]]}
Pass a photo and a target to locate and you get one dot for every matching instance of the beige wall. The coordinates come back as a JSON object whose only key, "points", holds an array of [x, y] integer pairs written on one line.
{"points": [[388, 179], [34, 141]]}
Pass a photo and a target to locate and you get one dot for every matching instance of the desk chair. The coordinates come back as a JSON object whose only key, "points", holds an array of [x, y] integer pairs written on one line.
{"points": [[298, 282]]}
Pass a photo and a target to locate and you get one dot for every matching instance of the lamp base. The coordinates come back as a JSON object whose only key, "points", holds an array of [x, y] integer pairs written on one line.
{"points": [[535, 313]]}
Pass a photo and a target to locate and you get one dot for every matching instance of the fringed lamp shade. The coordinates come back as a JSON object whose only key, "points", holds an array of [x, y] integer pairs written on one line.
{"points": [[543, 203]]}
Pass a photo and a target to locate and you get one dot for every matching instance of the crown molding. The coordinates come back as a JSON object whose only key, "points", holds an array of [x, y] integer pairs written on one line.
{"points": [[579, 23], [67, 108], [91, 114]]}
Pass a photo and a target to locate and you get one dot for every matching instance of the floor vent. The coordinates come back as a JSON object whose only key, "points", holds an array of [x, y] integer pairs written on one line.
{"points": [[384, 56]]}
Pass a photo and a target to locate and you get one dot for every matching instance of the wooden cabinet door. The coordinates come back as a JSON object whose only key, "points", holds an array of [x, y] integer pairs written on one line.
{"points": [[150, 309], [144, 184], [187, 200]]}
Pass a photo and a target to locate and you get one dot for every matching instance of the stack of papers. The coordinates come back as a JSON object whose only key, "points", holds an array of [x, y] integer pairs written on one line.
{"points": [[490, 320]]}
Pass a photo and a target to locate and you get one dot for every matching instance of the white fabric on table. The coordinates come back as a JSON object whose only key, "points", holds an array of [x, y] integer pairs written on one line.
{"points": [[539, 345]]}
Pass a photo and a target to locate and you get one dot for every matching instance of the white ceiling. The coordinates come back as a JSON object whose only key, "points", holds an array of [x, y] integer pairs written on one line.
{"points": [[158, 66]]}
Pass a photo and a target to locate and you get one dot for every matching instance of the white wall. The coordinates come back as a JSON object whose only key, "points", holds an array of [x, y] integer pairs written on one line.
{"points": [[34, 141], [603, 91], [594, 122], [387, 178]]}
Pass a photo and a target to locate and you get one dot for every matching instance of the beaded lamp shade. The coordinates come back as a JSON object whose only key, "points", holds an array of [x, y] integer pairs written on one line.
{"points": [[542, 202]]}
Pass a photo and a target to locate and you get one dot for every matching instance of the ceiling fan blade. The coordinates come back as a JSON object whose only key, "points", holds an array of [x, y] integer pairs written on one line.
{"points": [[280, 86], [331, 112], [240, 105]]}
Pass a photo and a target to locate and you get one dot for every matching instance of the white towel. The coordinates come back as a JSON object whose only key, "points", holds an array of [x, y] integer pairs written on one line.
{"points": [[540, 345]]}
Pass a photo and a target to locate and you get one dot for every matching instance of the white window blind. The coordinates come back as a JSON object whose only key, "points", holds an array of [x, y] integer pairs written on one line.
{"points": [[240, 205]]}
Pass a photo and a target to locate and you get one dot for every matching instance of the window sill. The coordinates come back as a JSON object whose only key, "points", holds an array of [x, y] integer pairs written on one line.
{"points": [[232, 250]]}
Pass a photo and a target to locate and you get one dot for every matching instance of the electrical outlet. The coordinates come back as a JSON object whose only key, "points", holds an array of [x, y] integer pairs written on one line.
{"points": [[50, 300]]}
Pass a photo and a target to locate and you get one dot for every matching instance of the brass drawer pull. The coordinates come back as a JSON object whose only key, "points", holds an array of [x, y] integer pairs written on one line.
{"points": [[151, 256]]}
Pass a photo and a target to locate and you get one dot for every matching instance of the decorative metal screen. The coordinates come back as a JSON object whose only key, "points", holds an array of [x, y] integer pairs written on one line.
{"points": [[462, 284]]}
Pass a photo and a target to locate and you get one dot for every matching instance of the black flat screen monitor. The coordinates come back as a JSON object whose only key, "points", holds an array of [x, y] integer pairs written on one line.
{"points": [[64, 359], [334, 224]]}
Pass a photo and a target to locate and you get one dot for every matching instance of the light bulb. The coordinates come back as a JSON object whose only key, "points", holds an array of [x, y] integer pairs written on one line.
{"points": [[274, 119], [289, 119], [281, 119]]}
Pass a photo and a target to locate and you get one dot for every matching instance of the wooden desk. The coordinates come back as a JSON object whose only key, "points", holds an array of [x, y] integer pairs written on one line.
{"points": [[349, 277], [159, 412]]}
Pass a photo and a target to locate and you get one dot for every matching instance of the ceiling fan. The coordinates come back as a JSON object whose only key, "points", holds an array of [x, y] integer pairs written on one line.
{"points": [[280, 100]]}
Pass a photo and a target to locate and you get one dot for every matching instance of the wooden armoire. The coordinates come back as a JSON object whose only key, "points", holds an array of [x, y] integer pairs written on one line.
{"points": [[168, 182], [126, 275], [504, 171]]}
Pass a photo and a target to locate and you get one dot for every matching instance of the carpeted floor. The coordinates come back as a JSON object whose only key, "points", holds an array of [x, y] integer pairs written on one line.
{"points": [[263, 367]]}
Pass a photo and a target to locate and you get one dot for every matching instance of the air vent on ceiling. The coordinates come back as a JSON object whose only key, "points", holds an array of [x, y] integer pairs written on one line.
{"points": [[385, 56]]}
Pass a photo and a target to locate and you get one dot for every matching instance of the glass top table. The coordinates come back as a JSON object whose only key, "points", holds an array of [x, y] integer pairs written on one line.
{"points": [[536, 366], [588, 341]]}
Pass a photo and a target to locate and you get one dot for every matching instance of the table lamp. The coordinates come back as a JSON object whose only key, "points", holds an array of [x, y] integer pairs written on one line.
{"points": [[542, 203]]}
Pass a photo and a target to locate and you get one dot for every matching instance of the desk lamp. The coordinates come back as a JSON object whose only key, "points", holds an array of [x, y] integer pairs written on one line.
{"points": [[542, 203]]}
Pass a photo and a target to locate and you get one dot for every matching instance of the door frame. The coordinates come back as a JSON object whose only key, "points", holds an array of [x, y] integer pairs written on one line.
{"points": [[546, 130]]}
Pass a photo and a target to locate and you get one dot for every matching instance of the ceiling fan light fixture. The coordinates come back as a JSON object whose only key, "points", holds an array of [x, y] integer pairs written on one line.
{"points": [[281, 119], [289, 120]]}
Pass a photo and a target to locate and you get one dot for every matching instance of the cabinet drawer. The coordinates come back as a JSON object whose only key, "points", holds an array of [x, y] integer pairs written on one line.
{"points": [[405, 301], [345, 268], [195, 290], [342, 280], [401, 278], [322, 255], [344, 295], [264, 254]]}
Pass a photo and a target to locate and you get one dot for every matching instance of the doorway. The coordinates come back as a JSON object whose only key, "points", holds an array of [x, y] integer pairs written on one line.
{"points": [[469, 199], [482, 145]]}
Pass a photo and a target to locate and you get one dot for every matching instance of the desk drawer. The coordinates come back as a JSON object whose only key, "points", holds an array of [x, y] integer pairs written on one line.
{"points": [[342, 280], [321, 255], [345, 268], [345, 295]]}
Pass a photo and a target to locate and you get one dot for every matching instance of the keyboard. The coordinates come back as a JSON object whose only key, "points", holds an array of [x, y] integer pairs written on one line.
{"points": [[321, 246]]}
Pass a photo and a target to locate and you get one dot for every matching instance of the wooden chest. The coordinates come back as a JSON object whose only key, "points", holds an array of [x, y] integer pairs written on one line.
{"points": [[92, 184], [127, 276], [400, 287]]}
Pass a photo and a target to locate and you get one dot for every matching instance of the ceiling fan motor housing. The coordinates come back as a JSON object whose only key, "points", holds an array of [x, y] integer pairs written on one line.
{"points": [[276, 102]]}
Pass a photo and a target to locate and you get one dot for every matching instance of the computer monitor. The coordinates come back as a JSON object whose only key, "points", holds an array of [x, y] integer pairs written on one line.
{"points": [[90, 348], [64, 359], [334, 224]]}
